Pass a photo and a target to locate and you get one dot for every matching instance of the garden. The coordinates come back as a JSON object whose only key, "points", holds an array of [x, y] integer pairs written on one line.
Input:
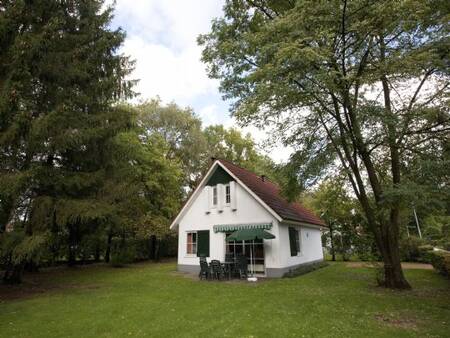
{"points": [[152, 299]]}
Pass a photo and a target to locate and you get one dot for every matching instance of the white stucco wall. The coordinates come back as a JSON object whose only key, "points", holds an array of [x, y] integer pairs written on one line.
{"points": [[310, 246], [248, 211]]}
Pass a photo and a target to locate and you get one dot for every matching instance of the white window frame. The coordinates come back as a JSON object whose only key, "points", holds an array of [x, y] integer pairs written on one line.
{"points": [[215, 196], [227, 194], [194, 254]]}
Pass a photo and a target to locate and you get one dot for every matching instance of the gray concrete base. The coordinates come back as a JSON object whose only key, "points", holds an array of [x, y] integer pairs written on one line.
{"points": [[270, 272], [188, 268], [280, 272]]}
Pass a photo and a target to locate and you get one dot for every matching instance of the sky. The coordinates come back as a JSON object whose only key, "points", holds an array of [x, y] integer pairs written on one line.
{"points": [[162, 39]]}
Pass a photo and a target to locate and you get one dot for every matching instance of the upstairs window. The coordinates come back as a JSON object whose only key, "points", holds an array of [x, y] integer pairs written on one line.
{"points": [[227, 194], [214, 196]]}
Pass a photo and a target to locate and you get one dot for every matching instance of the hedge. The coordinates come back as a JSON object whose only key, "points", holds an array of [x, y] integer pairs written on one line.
{"points": [[441, 262]]}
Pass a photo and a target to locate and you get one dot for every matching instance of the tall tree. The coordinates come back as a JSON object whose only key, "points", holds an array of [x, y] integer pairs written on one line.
{"points": [[145, 190], [338, 209], [181, 129], [361, 82], [60, 75], [193, 146], [232, 145]]}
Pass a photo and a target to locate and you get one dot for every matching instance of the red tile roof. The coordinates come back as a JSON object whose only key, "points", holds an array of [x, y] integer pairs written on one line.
{"points": [[269, 193]]}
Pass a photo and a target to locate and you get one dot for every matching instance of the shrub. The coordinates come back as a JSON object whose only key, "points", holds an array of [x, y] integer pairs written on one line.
{"points": [[123, 252], [441, 262], [409, 249], [425, 253], [122, 257]]}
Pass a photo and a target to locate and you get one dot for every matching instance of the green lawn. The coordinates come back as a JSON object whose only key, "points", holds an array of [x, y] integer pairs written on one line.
{"points": [[153, 300]]}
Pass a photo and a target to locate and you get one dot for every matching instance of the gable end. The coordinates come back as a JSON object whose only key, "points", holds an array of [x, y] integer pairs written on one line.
{"points": [[219, 176]]}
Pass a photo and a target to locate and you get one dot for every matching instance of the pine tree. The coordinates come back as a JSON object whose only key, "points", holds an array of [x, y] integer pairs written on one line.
{"points": [[60, 77]]}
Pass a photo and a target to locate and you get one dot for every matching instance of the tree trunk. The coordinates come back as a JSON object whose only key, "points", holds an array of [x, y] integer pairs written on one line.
{"points": [[393, 273], [152, 247], [13, 274], [108, 248], [390, 253], [157, 246], [71, 260], [333, 252], [97, 253]]}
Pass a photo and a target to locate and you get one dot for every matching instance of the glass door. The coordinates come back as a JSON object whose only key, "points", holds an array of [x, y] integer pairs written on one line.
{"points": [[254, 249]]}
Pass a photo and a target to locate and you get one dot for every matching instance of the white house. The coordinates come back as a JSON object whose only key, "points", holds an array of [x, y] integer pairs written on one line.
{"points": [[231, 198]]}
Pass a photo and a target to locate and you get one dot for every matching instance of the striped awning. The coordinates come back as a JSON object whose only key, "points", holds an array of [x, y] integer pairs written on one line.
{"points": [[234, 227]]}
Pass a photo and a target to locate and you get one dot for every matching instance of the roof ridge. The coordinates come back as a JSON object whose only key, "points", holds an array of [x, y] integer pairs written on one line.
{"points": [[267, 179], [271, 195]]}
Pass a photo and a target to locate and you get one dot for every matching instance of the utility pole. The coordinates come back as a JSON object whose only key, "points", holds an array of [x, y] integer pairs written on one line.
{"points": [[417, 223]]}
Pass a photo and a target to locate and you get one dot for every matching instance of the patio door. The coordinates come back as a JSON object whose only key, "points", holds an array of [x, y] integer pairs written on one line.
{"points": [[245, 248]]}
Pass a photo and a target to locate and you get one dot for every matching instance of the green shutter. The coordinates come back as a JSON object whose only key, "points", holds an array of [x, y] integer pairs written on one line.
{"points": [[203, 243], [292, 241]]}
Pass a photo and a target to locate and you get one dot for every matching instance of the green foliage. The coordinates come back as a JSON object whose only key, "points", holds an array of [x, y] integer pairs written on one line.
{"points": [[240, 149], [75, 169], [17, 249], [410, 249], [347, 229], [181, 131], [441, 262], [191, 146], [426, 253], [343, 82], [436, 229], [123, 253]]}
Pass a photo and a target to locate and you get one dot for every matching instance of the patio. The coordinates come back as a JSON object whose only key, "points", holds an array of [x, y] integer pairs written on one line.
{"points": [[236, 263]]}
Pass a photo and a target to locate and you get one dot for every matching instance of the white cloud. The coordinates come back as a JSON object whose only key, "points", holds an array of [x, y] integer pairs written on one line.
{"points": [[274, 149], [162, 39], [173, 76], [175, 23], [210, 115]]}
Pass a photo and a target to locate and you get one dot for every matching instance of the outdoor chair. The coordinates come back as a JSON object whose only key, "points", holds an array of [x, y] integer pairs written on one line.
{"points": [[229, 257], [241, 266], [204, 269], [230, 267], [217, 270]]}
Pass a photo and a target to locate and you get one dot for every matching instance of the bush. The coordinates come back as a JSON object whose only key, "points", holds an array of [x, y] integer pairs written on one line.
{"points": [[122, 253], [122, 257], [365, 248], [409, 249], [425, 253], [441, 262]]}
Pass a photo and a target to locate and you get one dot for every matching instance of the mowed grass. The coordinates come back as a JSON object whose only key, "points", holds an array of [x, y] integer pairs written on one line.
{"points": [[153, 300]]}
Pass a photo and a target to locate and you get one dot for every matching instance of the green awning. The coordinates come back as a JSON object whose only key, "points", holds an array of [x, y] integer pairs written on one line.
{"points": [[234, 227], [249, 234]]}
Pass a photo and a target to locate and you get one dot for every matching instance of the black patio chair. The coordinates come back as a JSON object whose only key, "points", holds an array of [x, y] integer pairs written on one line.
{"points": [[229, 257], [230, 266], [217, 270], [241, 266], [204, 269]]}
